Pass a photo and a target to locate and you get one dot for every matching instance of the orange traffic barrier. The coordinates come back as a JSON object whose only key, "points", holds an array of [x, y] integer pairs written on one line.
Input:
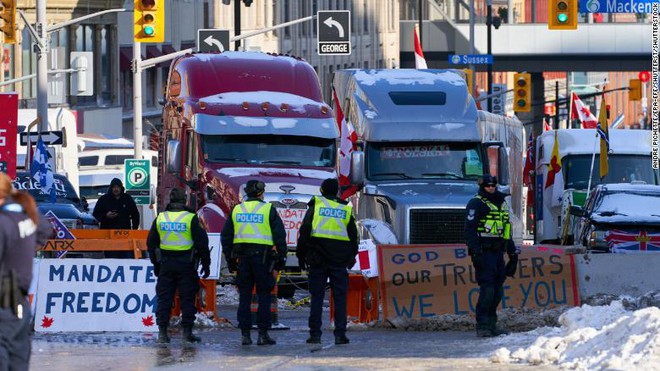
{"points": [[101, 240], [361, 301], [205, 300]]}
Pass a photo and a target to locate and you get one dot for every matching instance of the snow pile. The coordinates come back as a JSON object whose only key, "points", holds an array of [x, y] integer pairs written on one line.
{"points": [[603, 337], [227, 295]]}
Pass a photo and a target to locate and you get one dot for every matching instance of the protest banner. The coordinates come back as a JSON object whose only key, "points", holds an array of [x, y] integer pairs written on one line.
{"points": [[419, 281]]}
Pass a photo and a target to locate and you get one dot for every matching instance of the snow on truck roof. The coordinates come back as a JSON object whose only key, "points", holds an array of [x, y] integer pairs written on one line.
{"points": [[210, 74], [385, 99]]}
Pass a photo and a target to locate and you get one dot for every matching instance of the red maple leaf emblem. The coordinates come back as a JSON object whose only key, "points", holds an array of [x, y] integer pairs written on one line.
{"points": [[46, 322], [148, 321]]}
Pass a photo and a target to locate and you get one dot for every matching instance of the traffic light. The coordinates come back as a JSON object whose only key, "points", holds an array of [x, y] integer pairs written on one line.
{"points": [[149, 21], [8, 15], [522, 92], [468, 80], [562, 14], [635, 90]]}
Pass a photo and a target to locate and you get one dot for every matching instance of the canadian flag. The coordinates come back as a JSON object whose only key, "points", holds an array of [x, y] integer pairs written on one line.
{"points": [[420, 61], [581, 112], [348, 137]]}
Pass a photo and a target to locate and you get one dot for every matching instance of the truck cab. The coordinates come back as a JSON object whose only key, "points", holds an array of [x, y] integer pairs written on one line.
{"points": [[629, 162], [235, 116], [422, 144]]}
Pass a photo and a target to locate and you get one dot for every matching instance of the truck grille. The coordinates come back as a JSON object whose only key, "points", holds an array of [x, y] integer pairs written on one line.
{"points": [[437, 226]]}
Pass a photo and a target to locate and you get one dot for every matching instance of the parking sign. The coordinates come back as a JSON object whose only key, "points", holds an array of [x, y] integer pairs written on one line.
{"points": [[137, 180]]}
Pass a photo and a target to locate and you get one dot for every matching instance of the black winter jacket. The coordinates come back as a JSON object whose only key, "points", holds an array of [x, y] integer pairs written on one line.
{"points": [[129, 216], [476, 210], [317, 251]]}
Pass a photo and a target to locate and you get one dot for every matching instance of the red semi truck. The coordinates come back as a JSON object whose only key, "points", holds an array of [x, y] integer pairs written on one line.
{"points": [[234, 116]]}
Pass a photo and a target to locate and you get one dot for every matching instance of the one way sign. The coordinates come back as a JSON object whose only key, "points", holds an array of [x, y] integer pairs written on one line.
{"points": [[49, 138]]}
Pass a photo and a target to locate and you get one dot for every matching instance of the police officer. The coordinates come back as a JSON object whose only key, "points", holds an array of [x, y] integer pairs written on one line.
{"points": [[177, 243], [327, 245], [22, 230], [488, 237], [247, 242]]}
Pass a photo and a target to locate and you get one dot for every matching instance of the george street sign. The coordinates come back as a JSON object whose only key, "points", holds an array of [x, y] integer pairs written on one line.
{"points": [[334, 36], [49, 137], [212, 40], [470, 59], [616, 6], [137, 180]]}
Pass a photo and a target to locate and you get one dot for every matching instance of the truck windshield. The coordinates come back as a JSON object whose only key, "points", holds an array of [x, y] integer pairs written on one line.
{"points": [[432, 160], [269, 149], [622, 169]]}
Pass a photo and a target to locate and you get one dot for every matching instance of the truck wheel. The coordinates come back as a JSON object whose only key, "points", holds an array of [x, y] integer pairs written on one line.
{"points": [[285, 292]]}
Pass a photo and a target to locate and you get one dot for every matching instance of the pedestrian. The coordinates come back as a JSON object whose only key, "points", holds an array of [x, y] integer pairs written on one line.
{"points": [[117, 210], [177, 243], [247, 242], [327, 246], [488, 237], [22, 231]]}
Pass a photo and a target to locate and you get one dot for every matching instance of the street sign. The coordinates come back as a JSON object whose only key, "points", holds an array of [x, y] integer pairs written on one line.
{"points": [[212, 40], [50, 138], [334, 36], [616, 6], [137, 180], [8, 130], [499, 101], [470, 59], [644, 76]]}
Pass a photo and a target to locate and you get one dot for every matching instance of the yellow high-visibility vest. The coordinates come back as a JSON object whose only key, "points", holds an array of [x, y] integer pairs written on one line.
{"points": [[330, 219], [174, 230], [251, 224], [496, 222]]}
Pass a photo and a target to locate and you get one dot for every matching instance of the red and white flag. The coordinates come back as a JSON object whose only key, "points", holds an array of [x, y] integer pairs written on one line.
{"points": [[348, 137], [546, 126], [420, 61], [581, 112]]}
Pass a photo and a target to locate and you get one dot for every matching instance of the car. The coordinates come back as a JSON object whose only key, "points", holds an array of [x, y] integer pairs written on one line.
{"points": [[72, 210], [94, 184], [620, 218]]}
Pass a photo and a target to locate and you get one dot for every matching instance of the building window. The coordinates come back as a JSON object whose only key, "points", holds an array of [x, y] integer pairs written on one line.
{"points": [[365, 17], [287, 17]]}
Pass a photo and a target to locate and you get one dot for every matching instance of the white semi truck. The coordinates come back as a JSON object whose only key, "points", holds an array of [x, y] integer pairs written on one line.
{"points": [[629, 161]]}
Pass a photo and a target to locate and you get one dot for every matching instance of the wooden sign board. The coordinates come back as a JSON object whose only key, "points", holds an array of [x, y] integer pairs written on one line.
{"points": [[419, 281]]}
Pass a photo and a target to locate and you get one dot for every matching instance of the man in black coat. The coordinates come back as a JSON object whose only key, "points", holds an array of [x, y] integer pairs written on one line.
{"points": [[177, 244], [116, 209], [328, 244], [488, 237], [247, 240]]}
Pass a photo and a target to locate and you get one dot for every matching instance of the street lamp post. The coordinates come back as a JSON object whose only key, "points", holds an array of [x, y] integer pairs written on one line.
{"points": [[489, 51]]}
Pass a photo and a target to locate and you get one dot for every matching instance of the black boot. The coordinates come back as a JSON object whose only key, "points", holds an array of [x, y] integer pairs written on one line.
{"points": [[245, 337], [264, 339], [484, 331], [163, 337], [496, 331], [189, 337], [314, 339], [341, 339]]}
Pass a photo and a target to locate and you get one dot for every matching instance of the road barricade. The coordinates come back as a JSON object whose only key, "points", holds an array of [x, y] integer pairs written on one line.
{"points": [[361, 301], [101, 240]]}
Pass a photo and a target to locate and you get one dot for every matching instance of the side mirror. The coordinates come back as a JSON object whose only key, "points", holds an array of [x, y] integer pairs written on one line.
{"points": [[173, 157], [357, 168], [577, 211]]}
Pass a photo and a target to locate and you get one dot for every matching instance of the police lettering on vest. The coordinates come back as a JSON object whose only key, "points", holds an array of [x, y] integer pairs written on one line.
{"points": [[249, 218], [332, 213], [169, 226]]}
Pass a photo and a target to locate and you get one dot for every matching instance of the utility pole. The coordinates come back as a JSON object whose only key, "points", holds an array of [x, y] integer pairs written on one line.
{"points": [[237, 23], [137, 100], [489, 23], [42, 44], [471, 66]]}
